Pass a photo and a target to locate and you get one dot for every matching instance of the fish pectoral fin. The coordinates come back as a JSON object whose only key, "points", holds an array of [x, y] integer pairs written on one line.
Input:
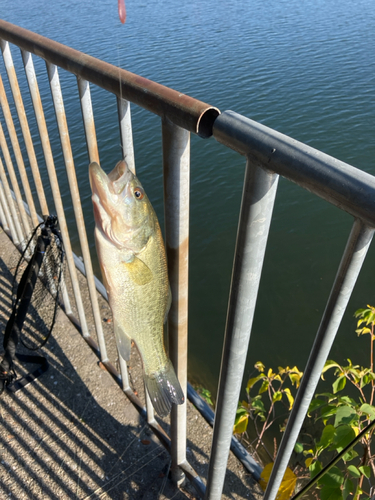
{"points": [[138, 271], [123, 342]]}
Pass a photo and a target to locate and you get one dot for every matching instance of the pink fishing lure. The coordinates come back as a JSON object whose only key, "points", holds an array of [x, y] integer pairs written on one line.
{"points": [[122, 11]]}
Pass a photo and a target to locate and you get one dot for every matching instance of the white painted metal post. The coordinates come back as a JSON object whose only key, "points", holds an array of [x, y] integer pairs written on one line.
{"points": [[258, 199], [8, 61], [176, 161], [126, 132]]}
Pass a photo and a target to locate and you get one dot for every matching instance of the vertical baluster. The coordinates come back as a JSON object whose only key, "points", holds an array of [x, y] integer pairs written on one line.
{"points": [[88, 119], [149, 408], [176, 163], [126, 137], [74, 191], [126, 134], [43, 132], [58, 204], [8, 208], [92, 146], [3, 217], [258, 199], [21, 167], [8, 61], [19, 236]]}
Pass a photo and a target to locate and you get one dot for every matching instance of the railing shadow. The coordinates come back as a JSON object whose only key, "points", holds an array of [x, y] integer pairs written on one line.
{"points": [[58, 442]]}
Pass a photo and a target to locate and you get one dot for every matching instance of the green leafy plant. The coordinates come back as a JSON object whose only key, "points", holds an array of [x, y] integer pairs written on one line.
{"points": [[343, 418], [336, 419], [272, 389], [204, 393]]}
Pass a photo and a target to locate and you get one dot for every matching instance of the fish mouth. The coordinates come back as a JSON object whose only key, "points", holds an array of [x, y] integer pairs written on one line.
{"points": [[106, 188], [98, 182]]}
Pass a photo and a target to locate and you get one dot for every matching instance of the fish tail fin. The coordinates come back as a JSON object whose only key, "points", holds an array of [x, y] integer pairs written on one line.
{"points": [[164, 389]]}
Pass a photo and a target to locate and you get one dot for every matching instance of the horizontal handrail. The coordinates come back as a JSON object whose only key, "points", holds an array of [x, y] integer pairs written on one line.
{"points": [[193, 115], [337, 182]]}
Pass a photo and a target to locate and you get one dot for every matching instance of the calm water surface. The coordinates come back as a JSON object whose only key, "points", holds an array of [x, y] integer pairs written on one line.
{"points": [[304, 68]]}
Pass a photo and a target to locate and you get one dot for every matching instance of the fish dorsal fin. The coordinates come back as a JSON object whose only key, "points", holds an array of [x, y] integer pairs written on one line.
{"points": [[139, 272], [123, 341]]}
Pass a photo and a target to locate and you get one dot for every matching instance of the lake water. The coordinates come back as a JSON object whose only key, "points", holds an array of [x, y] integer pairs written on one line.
{"points": [[305, 68]]}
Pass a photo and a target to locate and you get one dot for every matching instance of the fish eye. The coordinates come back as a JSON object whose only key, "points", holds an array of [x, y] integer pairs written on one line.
{"points": [[138, 193]]}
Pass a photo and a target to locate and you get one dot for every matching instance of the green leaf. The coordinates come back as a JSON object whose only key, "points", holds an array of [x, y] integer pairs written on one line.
{"points": [[333, 478], [348, 488], [315, 405], [330, 493], [264, 387], [354, 472], [363, 331], [290, 397], [345, 415], [298, 447], [259, 366], [330, 364], [339, 384], [240, 424], [254, 380], [295, 378], [365, 470], [206, 395], [327, 412], [369, 410], [277, 396], [327, 436], [315, 468], [350, 456], [347, 400], [257, 405], [308, 452], [359, 312], [240, 411], [344, 434]]}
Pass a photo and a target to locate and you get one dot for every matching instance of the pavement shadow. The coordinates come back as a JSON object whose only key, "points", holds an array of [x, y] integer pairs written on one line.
{"points": [[56, 439], [59, 441]]}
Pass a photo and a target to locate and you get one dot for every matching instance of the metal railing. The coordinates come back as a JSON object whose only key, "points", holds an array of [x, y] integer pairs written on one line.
{"points": [[268, 154]]}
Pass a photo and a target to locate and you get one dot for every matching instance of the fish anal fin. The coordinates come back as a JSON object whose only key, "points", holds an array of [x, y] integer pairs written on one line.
{"points": [[123, 341], [164, 389], [139, 272]]}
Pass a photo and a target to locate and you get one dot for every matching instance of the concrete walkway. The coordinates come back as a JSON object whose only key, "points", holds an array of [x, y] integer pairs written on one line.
{"points": [[73, 434]]}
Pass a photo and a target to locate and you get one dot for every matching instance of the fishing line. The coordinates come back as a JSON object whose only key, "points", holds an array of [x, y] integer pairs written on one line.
{"points": [[126, 449], [119, 107], [130, 475], [123, 471]]}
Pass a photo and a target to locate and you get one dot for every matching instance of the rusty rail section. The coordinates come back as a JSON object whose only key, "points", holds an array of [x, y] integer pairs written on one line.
{"points": [[187, 112]]}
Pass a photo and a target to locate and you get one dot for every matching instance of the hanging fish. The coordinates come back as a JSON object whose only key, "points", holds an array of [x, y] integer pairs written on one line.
{"points": [[132, 258]]}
